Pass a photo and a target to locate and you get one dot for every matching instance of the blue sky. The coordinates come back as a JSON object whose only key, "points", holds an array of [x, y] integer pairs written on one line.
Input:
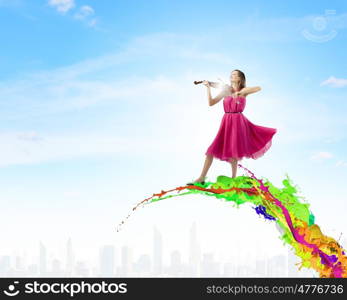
{"points": [[97, 95]]}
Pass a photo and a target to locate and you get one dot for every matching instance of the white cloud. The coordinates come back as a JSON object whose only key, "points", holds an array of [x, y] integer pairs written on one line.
{"points": [[92, 22], [331, 140], [321, 155], [84, 12], [341, 163], [29, 136], [36, 148], [335, 82], [62, 6]]}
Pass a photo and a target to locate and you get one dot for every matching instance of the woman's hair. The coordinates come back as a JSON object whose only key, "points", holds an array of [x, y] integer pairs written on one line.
{"points": [[242, 79]]}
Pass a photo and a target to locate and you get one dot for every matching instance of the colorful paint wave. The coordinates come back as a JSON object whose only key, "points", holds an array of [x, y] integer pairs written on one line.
{"points": [[281, 205]]}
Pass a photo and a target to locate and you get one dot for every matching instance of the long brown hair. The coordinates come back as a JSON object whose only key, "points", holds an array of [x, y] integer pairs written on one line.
{"points": [[242, 79]]}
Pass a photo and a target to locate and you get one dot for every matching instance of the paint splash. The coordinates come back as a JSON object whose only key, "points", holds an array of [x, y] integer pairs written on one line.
{"points": [[281, 205]]}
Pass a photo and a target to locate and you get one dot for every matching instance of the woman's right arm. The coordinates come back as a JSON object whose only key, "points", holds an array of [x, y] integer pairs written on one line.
{"points": [[215, 100]]}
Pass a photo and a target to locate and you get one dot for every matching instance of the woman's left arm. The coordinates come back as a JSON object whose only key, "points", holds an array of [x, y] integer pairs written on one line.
{"points": [[250, 90]]}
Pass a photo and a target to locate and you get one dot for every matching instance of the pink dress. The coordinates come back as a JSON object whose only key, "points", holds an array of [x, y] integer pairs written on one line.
{"points": [[238, 137]]}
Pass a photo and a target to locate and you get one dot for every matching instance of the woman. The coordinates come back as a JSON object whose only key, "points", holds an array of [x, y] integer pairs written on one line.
{"points": [[237, 137]]}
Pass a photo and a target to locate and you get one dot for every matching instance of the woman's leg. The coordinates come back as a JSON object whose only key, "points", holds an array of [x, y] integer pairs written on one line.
{"points": [[207, 164], [233, 162]]}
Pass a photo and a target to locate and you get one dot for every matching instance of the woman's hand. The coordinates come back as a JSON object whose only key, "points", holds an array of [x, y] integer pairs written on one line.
{"points": [[206, 83]]}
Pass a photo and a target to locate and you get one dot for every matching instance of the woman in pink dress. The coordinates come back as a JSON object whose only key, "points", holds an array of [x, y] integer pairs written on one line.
{"points": [[237, 137]]}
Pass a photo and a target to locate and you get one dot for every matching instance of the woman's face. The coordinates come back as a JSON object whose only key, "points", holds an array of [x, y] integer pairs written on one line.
{"points": [[234, 77]]}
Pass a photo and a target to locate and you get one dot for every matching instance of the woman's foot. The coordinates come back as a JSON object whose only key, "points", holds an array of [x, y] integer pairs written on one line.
{"points": [[199, 180]]}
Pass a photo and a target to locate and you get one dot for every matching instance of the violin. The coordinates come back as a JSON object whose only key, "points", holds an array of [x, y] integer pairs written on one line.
{"points": [[212, 84]]}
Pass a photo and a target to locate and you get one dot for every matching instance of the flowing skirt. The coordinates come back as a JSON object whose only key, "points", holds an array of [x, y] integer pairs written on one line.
{"points": [[239, 138]]}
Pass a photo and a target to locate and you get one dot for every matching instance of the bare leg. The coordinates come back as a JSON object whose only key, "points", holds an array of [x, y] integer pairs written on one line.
{"points": [[207, 164], [233, 162]]}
